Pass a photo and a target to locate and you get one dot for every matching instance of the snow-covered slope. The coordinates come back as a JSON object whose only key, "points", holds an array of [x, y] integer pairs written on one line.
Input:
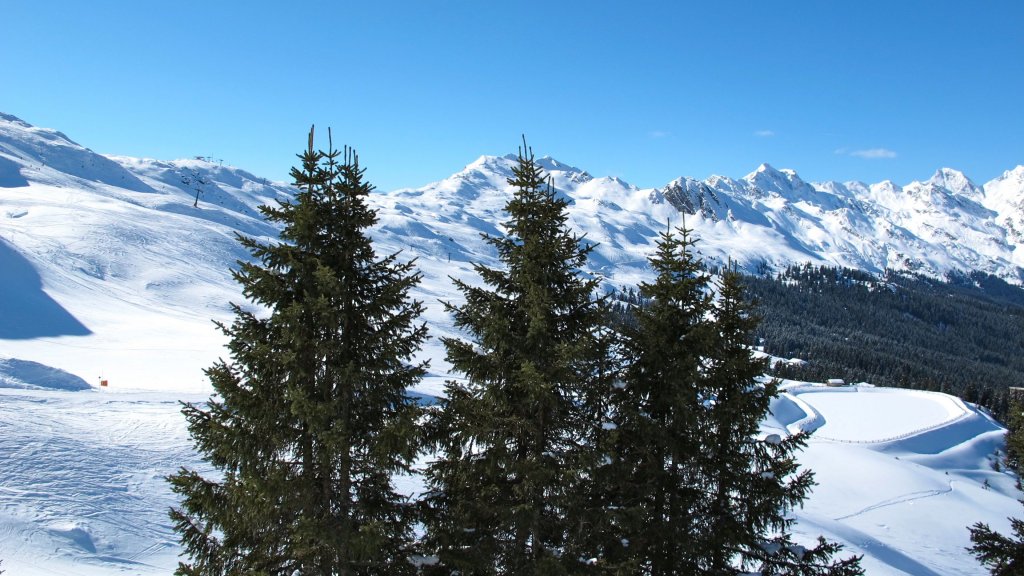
{"points": [[901, 475], [112, 280], [45, 156]]}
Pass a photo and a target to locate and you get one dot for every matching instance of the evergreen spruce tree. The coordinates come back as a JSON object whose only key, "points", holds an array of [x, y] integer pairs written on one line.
{"points": [[751, 484], [1015, 436], [1001, 554], [310, 418], [516, 437], [695, 489], [652, 479]]}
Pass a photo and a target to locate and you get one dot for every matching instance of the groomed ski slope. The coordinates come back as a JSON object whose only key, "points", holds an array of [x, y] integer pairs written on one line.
{"points": [[900, 475]]}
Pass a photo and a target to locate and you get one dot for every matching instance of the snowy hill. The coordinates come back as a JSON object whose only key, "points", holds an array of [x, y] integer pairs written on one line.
{"points": [[30, 154], [898, 472], [113, 281], [112, 268]]}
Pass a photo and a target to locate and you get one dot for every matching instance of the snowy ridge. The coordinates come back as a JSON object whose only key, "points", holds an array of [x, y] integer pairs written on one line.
{"points": [[114, 282], [770, 218], [35, 154], [765, 221], [929, 227]]}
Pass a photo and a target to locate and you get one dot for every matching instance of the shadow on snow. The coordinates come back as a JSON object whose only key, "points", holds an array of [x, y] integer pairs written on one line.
{"points": [[26, 311]]}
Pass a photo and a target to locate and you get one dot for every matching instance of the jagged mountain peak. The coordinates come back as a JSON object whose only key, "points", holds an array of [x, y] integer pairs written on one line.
{"points": [[955, 181], [486, 162], [490, 168], [784, 182], [1006, 193], [1014, 175], [765, 170], [887, 186], [549, 163], [507, 161], [1017, 172]]}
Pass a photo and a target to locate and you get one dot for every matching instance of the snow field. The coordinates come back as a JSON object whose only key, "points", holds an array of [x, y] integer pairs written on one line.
{"points": [[901, 474], [870, 414], [82, 489]]}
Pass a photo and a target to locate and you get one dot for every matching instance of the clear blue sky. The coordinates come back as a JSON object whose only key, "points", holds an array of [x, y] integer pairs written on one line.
{"points": [[647, 91]]}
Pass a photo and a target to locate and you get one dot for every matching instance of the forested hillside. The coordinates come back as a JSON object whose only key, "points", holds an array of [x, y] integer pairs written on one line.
{"points": [[963, 336]]}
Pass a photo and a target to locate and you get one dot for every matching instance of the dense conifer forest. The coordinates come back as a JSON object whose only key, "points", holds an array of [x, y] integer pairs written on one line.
{"points": [[962, 336]]}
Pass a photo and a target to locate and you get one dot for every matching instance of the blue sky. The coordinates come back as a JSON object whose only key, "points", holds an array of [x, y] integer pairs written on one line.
{"points": [[646, 91]]}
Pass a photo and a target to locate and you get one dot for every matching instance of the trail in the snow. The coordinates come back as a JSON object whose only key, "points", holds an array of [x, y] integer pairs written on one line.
{"points": [[900, 500]]}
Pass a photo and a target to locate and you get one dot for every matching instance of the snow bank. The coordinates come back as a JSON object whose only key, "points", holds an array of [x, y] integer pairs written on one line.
{"points": [[795, 415]]}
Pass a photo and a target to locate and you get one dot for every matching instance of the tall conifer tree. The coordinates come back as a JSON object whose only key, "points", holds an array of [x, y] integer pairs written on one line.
{"points": [[693, 489], [652, 480], [1004, 555], [310, 417], [1015, 435], [751, 484], [516, 436]]}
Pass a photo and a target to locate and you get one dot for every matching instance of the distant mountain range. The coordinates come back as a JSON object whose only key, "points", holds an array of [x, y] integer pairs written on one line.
{"points": [[95, 238], [764, 221], [767, 219]]}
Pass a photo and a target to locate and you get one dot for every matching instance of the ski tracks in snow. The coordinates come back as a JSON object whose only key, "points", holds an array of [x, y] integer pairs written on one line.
{"points": [[84, 475], [904, 498]]}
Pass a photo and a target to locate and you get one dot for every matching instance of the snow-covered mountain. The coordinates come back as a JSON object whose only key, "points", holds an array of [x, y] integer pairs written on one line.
{"points": [[118, 263], [111, 269], [946, 222], [766, 220], [108, 269]]}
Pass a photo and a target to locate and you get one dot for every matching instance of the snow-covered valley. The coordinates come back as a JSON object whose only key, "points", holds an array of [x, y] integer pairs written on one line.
{"points": [[112, 268]]}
